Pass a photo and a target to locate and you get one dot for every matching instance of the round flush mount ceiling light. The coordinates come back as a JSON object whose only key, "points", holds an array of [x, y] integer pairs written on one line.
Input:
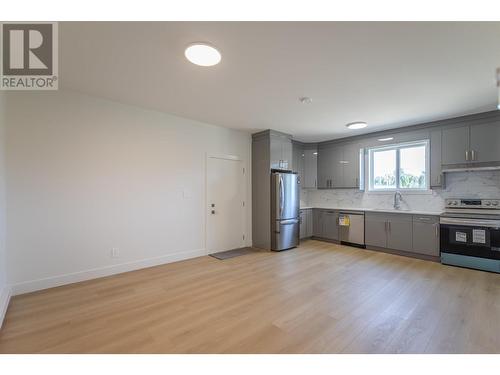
{"points": [[357, 125], [202, 54]]}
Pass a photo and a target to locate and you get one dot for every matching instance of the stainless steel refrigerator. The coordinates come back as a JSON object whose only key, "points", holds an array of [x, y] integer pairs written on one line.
{"points": [[284, 210]]}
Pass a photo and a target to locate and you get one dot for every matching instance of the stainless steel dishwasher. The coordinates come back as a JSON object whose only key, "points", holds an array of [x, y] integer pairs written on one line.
{"points": [[352, 228]]}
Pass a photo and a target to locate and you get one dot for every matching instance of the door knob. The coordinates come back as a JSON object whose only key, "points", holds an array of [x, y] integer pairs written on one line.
{"points": [[213, 205]]}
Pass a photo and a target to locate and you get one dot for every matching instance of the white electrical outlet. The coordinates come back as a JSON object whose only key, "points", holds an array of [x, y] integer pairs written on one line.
{"points": [[115, 252]]}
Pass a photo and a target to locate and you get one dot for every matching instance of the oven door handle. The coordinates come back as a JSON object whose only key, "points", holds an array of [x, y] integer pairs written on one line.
{"points": [[470, 222]]}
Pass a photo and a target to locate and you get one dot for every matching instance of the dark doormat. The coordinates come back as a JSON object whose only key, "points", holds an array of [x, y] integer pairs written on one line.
{"points": [[235, 253]]}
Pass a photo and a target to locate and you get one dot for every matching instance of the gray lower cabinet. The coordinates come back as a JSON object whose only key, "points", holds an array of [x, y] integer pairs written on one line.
{"points": [[331, 225], [306, 223], [395, 231], [325, 224], [403, 232], [399, 232], [317, 222], [426, 235], [309, 223], [375, 229], [303, 224]]}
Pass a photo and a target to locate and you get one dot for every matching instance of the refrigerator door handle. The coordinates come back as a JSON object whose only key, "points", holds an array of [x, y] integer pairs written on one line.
{"points": [[289, 222], [282, 196]]}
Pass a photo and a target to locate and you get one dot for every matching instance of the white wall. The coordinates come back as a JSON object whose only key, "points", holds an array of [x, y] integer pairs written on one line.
{"points": [[87, 174]]}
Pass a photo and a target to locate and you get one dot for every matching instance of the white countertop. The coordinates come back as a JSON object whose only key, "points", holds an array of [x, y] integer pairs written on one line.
{"points": [[386, 210]]}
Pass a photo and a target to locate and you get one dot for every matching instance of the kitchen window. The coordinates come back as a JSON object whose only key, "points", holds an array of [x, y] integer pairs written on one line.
{"points": [[403, 166]]}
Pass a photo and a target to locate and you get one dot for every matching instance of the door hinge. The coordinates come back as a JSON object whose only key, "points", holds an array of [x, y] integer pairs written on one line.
{"points": [[243, 203], [243, 237], [243, 170]]}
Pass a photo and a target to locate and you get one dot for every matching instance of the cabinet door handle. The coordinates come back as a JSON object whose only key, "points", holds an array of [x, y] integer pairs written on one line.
{"points": [[466, 155], [437, 229], [473, 153], [314, 182], [439, 179]]}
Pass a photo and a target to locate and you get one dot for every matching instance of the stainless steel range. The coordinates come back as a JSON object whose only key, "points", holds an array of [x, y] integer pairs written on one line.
{"points": [[470, 234]]}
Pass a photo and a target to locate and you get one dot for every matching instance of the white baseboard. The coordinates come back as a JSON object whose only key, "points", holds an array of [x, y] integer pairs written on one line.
{"points": [[51, 282], [4, 302]]}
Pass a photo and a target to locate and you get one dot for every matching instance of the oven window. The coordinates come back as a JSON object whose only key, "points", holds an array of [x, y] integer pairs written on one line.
{"points": [[469, 236], [479, 242]]}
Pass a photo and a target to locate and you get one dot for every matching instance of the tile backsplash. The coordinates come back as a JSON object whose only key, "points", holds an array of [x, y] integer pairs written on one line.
{"points": [[476, 184]]}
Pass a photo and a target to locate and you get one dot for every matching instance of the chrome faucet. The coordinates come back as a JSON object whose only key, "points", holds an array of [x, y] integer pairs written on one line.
{"points": [[397, 200]]}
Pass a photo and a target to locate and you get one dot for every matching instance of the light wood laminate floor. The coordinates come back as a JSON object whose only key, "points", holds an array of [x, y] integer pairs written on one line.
{"points": [[319, 298]]}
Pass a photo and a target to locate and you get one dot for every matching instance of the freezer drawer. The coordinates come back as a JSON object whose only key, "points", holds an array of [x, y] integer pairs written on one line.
{"points": [[285, 234], [352, 228]]}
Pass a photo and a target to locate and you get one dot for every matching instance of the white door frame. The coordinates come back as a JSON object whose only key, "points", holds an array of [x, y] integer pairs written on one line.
{"points": [[244, 193]]}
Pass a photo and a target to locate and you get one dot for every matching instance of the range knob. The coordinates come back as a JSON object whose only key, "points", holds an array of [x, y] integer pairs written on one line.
{"points": [[488, 203], [494, 203]]}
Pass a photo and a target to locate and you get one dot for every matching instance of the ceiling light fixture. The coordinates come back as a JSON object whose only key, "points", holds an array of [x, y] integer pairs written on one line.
{"points": [[385, 139], [202, 54], [357, 125], [305, 100]]}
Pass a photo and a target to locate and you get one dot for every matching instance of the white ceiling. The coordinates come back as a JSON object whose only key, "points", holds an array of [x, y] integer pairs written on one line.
{"points": [[387, 74]]}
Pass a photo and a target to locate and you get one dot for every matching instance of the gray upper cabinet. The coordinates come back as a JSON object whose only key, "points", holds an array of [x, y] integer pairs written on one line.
{"points": [[426, 235], [298, 161], [350, 166], [325, 169], [286, 153], [435, 155], [281, 153], [477, 143], [338, 166], [310, 160], [484, 142], [455, 145]]}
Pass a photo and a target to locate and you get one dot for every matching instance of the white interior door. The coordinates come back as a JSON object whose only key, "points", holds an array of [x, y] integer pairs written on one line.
{"points": [[225, 201]]}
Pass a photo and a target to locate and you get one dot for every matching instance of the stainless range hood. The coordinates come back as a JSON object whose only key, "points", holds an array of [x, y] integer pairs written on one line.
{"points": [[471, 167]]}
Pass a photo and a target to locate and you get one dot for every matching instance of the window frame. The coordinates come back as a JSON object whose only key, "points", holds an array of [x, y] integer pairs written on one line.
{"points": [[398, 147]]}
